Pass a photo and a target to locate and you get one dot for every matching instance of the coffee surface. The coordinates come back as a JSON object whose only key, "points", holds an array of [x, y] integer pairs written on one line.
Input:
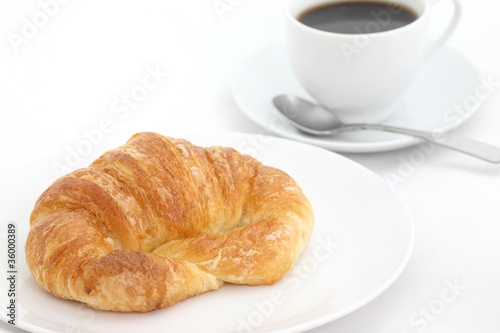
{"points": [[358, 17]]}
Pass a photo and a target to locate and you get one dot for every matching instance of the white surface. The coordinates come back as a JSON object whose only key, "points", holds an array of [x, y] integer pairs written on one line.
{"points": [[368, 225], [267, 74], [67, 77]]}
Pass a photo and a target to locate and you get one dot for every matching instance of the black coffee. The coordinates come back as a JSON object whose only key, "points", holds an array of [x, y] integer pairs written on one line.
{"points": [[358, 17]]}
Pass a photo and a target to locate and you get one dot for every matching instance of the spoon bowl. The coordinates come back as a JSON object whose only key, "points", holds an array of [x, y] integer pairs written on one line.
{"points": [[307, 116]]}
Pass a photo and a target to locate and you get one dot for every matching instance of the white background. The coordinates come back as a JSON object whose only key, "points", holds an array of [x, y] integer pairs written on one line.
{"points": [[71, 73]]}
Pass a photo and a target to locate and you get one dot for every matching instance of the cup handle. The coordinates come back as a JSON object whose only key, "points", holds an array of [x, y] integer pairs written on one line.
{"points": [[449, 30]]}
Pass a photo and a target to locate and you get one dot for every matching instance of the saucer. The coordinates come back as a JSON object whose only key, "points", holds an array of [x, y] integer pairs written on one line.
{"points": [[442, 97]]}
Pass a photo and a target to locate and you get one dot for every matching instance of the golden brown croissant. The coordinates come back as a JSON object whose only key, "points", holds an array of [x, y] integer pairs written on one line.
{"points": [[159, 220]]}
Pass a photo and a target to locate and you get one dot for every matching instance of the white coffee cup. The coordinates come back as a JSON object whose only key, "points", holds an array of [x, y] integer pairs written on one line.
{"points": [[362, 76]]}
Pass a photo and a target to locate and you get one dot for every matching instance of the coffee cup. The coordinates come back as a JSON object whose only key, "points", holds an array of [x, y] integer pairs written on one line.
{"points": [[362, 66]]}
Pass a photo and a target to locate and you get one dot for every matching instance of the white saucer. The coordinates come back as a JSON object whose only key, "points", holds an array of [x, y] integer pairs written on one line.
{"points": [[446, 84]]}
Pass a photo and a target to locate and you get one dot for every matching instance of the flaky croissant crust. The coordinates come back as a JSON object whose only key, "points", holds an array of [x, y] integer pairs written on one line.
{"points": [[159, 220]]}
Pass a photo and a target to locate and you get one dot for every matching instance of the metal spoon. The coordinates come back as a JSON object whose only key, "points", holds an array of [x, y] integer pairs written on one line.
{"points": [[317, 120]]}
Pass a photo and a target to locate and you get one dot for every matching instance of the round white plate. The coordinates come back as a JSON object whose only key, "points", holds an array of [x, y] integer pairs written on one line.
{"points": [[442, 97], [362, 241]]}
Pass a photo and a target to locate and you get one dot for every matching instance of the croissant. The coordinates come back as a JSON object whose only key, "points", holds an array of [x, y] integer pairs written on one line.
{"points": [[159, 220]]}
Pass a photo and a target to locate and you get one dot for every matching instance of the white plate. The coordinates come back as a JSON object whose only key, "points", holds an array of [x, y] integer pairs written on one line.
{"points": [[361, 242], [441, 98]]}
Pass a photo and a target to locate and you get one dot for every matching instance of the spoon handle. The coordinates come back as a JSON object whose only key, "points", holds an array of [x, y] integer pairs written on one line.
{"points": [[462, 144]]}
